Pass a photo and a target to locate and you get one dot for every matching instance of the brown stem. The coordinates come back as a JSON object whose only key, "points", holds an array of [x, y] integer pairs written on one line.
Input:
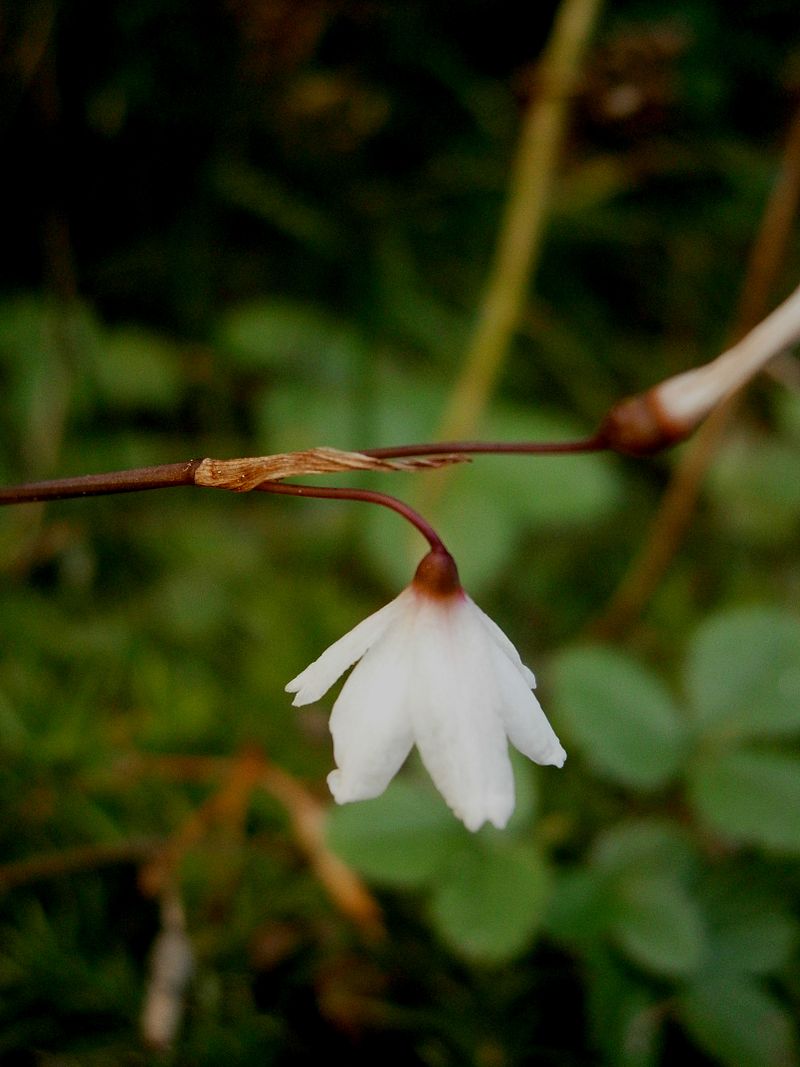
{"points": [[79, 858], [369, 496], [596, 443], [163, 476], [306, 814], [169, 475]]}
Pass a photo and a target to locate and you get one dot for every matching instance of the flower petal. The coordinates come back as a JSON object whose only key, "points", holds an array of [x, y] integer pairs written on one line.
{"points": [[526, 724], [504, 644], [370, 724], [320, 675], [459, 734]]}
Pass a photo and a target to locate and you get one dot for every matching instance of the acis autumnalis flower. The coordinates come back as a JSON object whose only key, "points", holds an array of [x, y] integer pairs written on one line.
{"points": [[435, 671]]}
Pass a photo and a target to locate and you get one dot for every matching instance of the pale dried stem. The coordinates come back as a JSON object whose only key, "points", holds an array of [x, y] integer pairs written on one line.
{"points": [[236, 475], [306, 815], [228, 805], [242, 475], [170, 968]]}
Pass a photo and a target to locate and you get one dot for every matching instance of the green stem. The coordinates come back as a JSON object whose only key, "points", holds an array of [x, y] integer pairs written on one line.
{"points": [[520, 238]]}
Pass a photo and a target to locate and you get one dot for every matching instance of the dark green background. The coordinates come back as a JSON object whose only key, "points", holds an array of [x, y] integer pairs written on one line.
{"points": [[240, 228]]}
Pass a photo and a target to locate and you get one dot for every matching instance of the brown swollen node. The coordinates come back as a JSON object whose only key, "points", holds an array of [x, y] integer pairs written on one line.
{"points": [[437, 574], [639, 426]]}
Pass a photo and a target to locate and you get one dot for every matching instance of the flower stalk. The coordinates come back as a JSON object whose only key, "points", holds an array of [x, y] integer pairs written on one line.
{"points": [[370, 496]]}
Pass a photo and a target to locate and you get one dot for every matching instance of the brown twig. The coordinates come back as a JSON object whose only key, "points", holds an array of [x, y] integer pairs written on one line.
{"points": [[306, 815], [227, 805], [79, 858], [265, 474], [236, 475]]}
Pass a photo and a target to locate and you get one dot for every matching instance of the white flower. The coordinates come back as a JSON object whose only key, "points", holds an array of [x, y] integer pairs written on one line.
{"points": [[436, 671]]}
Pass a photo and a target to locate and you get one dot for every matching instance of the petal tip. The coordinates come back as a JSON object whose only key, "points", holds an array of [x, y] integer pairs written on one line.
{"points": [[557, 757], [336, 787], [300, 694], [345, 789]]}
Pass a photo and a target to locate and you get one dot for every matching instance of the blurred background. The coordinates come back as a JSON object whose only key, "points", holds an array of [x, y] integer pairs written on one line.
{"points": [[244, 227]]}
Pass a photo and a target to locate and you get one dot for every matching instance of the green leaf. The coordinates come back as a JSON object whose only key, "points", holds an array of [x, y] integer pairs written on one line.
{"points": [[750, 929], [580, 907], [183, 701], [401, 838], [657, 924], [786, 403], [490, 899], [624, 1018], [138, 369], [651, 845], [294, 415], [36, 380], [620, 716], [736, 1021], [285, 333], [750, 797], [755, 486], [553, 490], [526, 794], [743, 674], [279, 203], [14, 735], [758, 943]]}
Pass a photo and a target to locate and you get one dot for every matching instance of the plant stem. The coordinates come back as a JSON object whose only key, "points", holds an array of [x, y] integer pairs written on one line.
{"points": [[169, 475], [370, 496], [520, 238], [595, 443], [163, 476]]}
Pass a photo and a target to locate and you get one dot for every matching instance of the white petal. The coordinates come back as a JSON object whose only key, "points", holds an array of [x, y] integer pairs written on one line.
{"points": [[526, 724], [504, 644], [370, 724], [460, 736], [320, 675]]}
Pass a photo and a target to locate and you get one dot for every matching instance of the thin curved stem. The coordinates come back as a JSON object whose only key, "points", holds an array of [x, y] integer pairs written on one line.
{"points": [[370, 496], [595, 443]]}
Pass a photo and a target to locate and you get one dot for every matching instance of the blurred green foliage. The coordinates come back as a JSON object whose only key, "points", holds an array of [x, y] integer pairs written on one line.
{"points": [[255, 226]]}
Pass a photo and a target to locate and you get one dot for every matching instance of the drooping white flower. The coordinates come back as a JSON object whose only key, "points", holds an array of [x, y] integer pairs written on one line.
{"points": [[434, 670]]}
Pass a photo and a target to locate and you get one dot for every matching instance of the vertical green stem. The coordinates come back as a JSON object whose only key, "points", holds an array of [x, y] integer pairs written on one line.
{"points": [[521, 230]]}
